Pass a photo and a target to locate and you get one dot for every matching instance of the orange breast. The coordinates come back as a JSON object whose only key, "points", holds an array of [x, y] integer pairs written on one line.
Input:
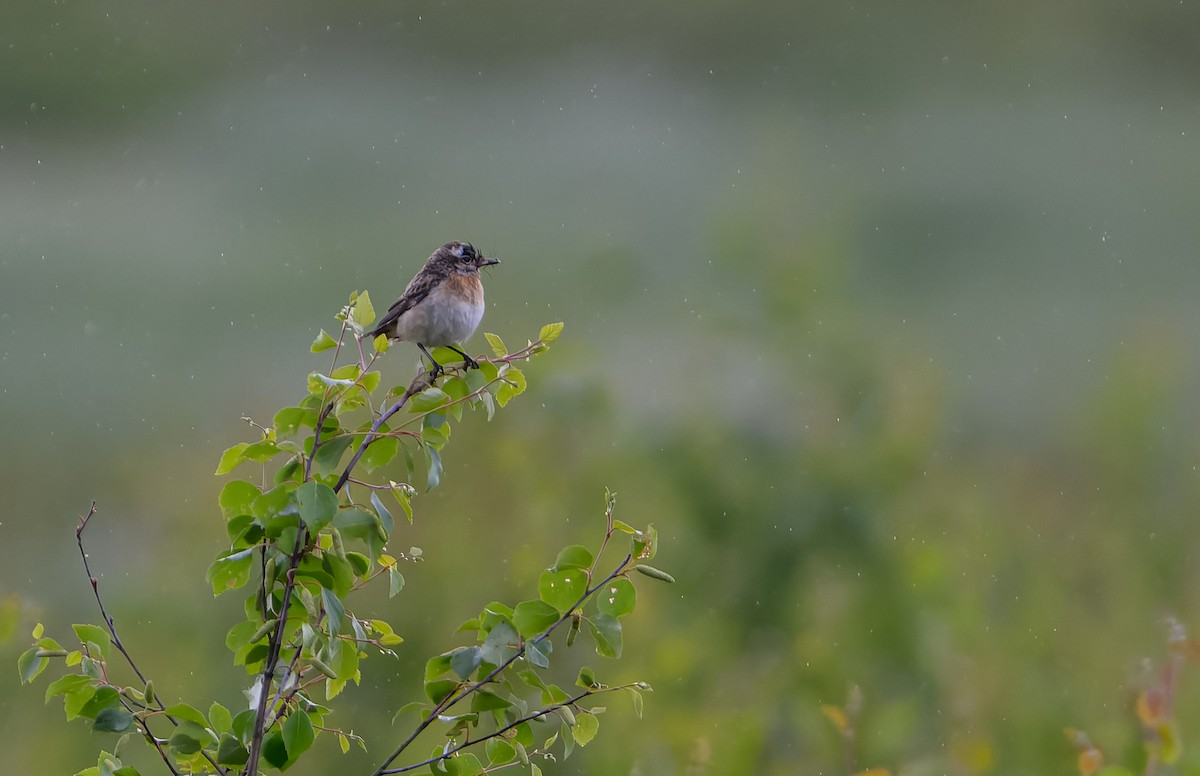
{"points": [[468, 286]]}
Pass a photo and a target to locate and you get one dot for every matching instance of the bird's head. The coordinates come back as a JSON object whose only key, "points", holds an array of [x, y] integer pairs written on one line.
{"points": [[462, 257]]}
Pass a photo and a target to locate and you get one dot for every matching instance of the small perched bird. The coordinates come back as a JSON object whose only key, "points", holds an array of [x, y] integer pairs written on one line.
{"points": [[443, 303]]}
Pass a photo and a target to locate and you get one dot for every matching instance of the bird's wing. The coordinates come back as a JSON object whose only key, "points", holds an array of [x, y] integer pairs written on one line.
{"points": [[417, 290]]}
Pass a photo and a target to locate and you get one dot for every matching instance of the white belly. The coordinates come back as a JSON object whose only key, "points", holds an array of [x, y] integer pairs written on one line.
{"points": [[442, 318]]}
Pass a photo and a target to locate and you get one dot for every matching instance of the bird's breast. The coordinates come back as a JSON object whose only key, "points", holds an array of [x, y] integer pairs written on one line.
{"points": [[449, 315]]}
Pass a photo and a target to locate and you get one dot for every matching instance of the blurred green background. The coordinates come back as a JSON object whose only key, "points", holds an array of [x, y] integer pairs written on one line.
{"points": [[883, 313]]}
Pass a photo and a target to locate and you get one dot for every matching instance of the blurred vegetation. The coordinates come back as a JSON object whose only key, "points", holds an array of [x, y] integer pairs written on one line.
{"points": [[884, 315]]}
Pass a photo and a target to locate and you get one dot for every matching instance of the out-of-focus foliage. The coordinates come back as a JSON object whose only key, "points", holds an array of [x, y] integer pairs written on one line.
{"points": [[884, 314]]}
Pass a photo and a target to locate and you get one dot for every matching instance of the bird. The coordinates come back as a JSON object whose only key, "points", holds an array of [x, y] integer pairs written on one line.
{"points": [[442, 305]]}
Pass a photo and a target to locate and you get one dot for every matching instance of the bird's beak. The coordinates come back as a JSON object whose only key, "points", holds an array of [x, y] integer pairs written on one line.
{"points": [[488, 261]]}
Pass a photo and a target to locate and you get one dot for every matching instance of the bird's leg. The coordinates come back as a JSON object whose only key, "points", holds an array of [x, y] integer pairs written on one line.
{"points": [[437, 368], [469, 362]]}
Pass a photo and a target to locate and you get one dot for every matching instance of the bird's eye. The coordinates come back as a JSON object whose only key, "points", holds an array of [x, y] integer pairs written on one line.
{"points": [[466, 251]]}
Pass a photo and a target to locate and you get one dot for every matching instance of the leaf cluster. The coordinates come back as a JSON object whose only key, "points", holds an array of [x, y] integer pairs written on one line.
{"points": [[310, 528]]}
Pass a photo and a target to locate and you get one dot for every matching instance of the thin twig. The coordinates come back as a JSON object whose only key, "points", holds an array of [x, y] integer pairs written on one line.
{"points": [[501, 731], [417, 385], [116, 640], [450, 700]]}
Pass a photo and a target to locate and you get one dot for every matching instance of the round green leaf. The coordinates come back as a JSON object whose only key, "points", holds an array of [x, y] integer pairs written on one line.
{"points": [[298, 734], [617, 598], [586, 725], [114, 719], [606, 630], [574, 556], [562, 589], [317, 504], [533, 617]]}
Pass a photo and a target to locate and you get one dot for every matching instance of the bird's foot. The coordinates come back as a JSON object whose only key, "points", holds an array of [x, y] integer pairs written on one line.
{"points": [[470, 363]]}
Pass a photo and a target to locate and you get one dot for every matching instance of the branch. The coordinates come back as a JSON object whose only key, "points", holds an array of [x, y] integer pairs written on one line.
{"points": [[420, 383], [450, 700], [417, 385], [496, 733], [275, 645]]}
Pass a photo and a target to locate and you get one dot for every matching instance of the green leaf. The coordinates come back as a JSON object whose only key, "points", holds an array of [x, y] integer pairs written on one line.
{"points": [[360, 563], [532, 617], [538, 652], [395, 582], [298, 734], [465, 660], [231, 752], [532, 678], [434, 476], [499, 751], [275, 751], [66, 684], [513, 385], [236, 498], [76, 698], [562, 589], [624, 527], [380, 452], [29, 665], [190, 738], [317, 503], [500, 644], [496, 343], [329, 454], [182, 711], [274, 502], [606, 631], [574, 556], [550, 332], [385, 517], [380, 345], [261, 452], [362, 311], [429, 399], [438, 690], [645, 545], [438, 665], [93, 634], [289, 420], [435, 430], [230, 571], [586, 725], [416, 706], [355, 523], [637, 702], [323, 342], [587, 679], [485, 700], [468, 765], [220, 718], [113, 720], [568, 738], [334, 610], [617, 598], [231, 458]]}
